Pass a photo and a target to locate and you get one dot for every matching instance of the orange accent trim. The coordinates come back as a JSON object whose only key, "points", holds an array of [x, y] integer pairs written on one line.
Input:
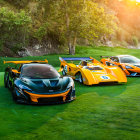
{"points": [[15, 71], [34, 97], [64, 98]]}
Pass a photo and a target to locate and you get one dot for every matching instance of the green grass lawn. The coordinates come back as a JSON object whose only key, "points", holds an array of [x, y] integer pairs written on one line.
{"points": [[98, 113]]}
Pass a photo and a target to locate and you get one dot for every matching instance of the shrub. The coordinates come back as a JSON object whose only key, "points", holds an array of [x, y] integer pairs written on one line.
{"points": [[18, 3], [14, 28]]}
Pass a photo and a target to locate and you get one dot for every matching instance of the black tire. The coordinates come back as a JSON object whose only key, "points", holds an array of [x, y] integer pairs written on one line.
{"points": [[9, 83], [64, 72], [79, 77], [68, 96], [19, 100], [14, 95], [6, 80]]}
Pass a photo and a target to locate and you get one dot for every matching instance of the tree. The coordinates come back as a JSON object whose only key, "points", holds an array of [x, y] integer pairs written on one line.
{"points": [[14, 28], [80, 18]]}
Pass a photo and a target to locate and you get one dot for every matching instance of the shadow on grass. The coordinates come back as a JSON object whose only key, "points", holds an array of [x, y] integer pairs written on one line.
{"points": [[110, 90], [21, 118]]}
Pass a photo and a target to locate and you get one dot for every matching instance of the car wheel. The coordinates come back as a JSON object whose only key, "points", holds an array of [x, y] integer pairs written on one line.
{"points": [[6, 79], [79, 77], [14, 95], [63, 72], [9, 82]]}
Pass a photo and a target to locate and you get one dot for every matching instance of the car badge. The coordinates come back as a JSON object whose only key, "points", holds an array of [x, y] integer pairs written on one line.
{"points": [[51, 90]]}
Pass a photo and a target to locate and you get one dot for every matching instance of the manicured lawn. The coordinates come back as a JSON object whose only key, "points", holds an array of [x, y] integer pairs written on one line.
{"points": [[98, 113]]}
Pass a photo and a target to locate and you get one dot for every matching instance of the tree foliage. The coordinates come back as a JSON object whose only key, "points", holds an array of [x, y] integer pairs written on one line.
{"points": [[68, 20], [127, 12], [80, 18], [13, 28], [18, 3]]}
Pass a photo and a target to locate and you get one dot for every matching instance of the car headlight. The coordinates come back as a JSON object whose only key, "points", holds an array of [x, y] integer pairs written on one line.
{"points": [[128, 67], [21, 88]]}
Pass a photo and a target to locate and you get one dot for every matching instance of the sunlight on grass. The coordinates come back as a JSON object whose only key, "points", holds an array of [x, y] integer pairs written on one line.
{"points": [[94, 114], [99, 112]]}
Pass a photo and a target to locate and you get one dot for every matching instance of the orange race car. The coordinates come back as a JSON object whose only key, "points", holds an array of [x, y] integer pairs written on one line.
{"points": [[129, 64], [89, 71]]}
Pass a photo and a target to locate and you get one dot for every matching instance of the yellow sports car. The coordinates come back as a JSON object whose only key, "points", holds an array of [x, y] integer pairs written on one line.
{"points": [[89, 71]]}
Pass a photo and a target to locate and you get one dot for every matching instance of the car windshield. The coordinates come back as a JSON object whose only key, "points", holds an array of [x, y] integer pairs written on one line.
{"points": [[129, 59], [93, 68], [39, 71]]}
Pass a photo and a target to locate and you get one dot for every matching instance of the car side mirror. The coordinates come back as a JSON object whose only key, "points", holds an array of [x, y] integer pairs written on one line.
{"points": [[16, 72]]}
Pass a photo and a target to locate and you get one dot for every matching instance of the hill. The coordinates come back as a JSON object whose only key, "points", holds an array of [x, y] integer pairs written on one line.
{"points": [[32, 27]]}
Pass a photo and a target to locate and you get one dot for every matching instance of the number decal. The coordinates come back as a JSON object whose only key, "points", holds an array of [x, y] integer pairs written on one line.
{"points": [[105, 77]]}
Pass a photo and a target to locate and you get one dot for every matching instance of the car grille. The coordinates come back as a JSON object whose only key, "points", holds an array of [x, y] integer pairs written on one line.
{"points": [[50, 100], [53, 83]]}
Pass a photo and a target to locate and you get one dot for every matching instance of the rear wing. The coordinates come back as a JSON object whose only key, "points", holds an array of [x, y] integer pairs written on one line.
{"points": [[26, 61], [75, 58], [64, 59]]}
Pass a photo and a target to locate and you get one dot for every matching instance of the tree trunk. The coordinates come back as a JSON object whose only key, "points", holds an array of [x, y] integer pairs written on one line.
{"points": [[68, 35], [72, 50], [72, 47]]}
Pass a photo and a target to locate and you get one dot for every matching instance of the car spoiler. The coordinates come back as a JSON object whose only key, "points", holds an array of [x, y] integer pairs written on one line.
{"points": [[105, 56], [26, 61], [74, 58]]}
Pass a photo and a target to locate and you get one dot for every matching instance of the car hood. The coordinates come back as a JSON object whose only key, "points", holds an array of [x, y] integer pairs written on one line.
{"points": [[137, 64], [133, 64], [45, 85]]}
